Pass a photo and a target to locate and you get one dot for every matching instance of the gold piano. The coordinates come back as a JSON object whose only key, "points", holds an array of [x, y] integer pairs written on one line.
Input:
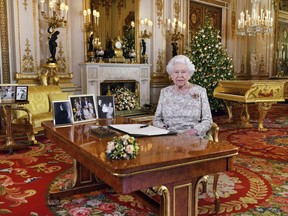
{"points": [[262, 92]]}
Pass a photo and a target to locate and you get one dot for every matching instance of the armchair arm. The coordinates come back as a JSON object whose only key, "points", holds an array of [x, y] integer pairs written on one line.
{"points": [[21, 108], [215, 131]]}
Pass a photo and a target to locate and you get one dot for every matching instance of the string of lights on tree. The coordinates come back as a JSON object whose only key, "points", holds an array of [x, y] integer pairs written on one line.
{"points": [[211, 60]]}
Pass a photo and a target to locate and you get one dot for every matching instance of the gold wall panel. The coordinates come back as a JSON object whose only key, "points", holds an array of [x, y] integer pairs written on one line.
{"points": [[4, 42]]}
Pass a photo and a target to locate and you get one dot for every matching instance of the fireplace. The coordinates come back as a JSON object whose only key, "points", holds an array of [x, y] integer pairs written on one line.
{"points": [[125, 92], [109, 85], [93, 74]]}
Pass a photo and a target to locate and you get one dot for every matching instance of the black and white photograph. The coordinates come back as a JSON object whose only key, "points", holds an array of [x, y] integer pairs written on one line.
{"points": [[21, 93], [8, 93], [106, 106], [62, 113], [83, 107]]}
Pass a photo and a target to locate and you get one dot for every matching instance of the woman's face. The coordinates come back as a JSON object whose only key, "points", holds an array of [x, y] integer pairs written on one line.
{"points": [[180, 74]]}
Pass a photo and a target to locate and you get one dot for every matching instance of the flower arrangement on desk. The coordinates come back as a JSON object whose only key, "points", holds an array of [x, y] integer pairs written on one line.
{"points": [[125, 99], [122, 147]]}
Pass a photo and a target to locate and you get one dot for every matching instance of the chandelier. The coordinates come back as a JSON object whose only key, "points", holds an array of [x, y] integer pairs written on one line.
{"points": [[259, 21]]}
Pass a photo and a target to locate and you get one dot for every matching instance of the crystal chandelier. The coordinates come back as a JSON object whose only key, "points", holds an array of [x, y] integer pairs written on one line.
{"points": [[259, 21]]}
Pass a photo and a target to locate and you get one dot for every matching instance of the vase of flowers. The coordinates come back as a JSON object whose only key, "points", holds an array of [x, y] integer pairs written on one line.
{"points": [[122, 147]]}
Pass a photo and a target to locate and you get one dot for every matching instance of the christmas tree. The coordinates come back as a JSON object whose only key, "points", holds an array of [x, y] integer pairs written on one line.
{"points": [[211, 61], [128, 40]]}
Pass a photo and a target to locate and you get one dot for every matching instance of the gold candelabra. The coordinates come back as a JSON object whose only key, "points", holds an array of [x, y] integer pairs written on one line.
{"points": [[91, 27], [146, 28], [57, 14], [176, 29]]}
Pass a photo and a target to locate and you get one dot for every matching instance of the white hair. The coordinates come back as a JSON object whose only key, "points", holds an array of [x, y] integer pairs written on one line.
{"points": [[182, 60]]}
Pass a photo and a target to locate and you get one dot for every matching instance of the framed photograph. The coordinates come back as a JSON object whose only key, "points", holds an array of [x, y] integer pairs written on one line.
{"points": [[106, 106], [21, 93], [8, 93], [83, 108], [62, 113]]}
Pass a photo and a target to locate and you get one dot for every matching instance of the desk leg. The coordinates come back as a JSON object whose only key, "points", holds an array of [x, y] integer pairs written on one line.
{"points": [[179, 199], [84, 181]]}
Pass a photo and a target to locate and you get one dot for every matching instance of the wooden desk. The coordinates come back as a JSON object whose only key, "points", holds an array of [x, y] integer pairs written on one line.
{"points": [[174, 164]]}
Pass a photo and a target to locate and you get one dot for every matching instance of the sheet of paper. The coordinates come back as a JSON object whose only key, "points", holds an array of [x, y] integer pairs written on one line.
{"points": [[137, 129]]}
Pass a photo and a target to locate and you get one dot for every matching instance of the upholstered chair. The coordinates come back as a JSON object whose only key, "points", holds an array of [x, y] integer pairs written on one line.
{"points": [[27, 118], [212, 134]]}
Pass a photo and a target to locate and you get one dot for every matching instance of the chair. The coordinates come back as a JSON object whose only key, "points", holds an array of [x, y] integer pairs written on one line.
{"points": [[212, 134], [27, 118]]}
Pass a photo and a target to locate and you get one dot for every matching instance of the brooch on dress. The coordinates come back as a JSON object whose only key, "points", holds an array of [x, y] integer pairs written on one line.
{"points": [[195, 96]]}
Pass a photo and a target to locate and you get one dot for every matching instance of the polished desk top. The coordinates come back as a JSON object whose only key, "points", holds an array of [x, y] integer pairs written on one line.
{"points": [[158, 153]]}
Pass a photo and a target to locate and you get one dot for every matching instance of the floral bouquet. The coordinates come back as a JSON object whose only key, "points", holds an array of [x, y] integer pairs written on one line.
{"points": [[122, 147], [125, 99]]}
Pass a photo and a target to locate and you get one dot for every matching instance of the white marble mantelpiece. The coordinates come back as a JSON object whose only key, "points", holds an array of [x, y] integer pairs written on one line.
{"points": [[92, 74]]}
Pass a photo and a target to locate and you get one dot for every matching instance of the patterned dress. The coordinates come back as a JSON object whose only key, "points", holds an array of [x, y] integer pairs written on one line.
{"points": [[182, 112]]}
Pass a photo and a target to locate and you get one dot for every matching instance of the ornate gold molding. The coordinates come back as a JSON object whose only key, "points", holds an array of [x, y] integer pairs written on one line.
{"points": [[233, 18], [25, 4], [177, 9], [4, 42], [28, 60], [61, 60], [159, 12]]}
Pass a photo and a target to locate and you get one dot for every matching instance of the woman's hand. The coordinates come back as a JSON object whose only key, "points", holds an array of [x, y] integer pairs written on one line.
{"points": [[192, 132]]}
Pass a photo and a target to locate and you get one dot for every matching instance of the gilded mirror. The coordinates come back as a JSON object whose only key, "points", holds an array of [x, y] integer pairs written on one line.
{"points": [[117, 22], [281, 39]]}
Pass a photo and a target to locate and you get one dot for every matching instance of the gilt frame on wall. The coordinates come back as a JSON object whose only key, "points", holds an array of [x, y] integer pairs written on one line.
{"points": [[197, 13]]}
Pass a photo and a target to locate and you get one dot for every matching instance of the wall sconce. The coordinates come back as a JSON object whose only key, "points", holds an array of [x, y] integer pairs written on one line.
{"points": [[57, 14], [176, 29], [146, 28]]}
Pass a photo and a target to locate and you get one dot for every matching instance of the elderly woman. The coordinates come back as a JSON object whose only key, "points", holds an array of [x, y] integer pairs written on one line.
{"points": [[183, 106]]}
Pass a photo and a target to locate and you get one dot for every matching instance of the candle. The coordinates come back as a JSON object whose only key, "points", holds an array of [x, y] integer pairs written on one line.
{"points": [[132, 24], [94, 15], [62, 8], [66, 12], [168, 24], [42, 5], [89, 13]]}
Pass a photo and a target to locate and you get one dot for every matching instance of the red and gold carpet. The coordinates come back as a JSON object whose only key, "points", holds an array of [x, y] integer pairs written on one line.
{"points": [[258, 184]]}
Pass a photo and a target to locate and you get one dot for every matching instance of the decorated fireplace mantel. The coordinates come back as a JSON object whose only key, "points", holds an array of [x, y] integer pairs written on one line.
{"points": [[93, 74]]}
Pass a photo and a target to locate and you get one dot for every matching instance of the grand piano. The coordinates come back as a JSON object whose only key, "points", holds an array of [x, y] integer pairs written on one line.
{"points": [[264, 93]]}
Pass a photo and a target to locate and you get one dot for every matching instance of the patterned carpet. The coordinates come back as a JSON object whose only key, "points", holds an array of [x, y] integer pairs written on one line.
{"points": [[258, 184]]}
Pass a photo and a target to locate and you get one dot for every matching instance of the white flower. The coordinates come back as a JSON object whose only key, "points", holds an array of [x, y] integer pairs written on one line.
{"points": [[110, 147], [125, 137], [129, 149]]}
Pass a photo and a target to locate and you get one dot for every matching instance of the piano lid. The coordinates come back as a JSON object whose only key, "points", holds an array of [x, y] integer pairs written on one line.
{"points": [[250, 91]]}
